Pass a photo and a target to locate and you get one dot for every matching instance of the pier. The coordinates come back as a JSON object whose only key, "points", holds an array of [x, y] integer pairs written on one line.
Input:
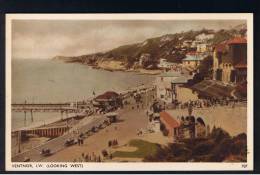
{"points": [[63, 130], [50, 107]]}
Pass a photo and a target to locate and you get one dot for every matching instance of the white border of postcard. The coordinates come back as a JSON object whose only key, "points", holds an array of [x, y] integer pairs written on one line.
{"points": [[187, 166]]}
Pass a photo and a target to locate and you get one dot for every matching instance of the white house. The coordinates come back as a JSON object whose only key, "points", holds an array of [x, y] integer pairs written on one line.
{"points": [[204, 37], [187, 43], [164, 64], [203, 47]]}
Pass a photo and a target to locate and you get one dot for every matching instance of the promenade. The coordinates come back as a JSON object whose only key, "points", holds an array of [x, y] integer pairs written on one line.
{"points": [[131, 119], [57, 144]]}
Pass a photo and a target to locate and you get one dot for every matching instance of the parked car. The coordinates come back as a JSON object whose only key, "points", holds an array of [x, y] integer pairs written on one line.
{"points": [[69, 142], [26, 159], [46, 152]]}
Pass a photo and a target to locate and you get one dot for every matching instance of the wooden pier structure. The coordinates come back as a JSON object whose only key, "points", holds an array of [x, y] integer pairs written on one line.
{"points": [[49, 107]]}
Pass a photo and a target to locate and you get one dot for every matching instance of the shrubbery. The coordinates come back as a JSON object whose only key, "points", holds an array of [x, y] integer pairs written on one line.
{"points": [[217, 148]]}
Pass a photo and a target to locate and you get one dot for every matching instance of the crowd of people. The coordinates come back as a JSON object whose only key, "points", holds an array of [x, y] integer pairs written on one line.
{"points": [[89, 158], [140, 99], [208, 102], [112, 143]]}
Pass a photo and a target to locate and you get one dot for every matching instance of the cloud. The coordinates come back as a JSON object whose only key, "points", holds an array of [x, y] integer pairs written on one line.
{"points": [[48, 38]]}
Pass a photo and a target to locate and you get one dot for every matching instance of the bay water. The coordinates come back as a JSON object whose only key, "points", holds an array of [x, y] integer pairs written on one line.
{"points": [[52, 81]]}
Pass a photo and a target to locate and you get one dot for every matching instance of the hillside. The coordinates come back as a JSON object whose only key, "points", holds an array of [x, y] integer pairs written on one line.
{"points": [[171, 47]]}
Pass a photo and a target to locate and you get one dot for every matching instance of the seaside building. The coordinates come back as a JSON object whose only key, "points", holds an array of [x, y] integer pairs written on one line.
{"points": [[203, 47], [192, 61], [187, 43], [107, 101], [164, 64], [179, 128], [170, 124], [163, 84], [230, 61]]}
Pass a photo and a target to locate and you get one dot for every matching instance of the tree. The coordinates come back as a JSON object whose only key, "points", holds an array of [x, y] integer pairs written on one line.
{"points": [[219, 134], [205, 68], [198, 77]]}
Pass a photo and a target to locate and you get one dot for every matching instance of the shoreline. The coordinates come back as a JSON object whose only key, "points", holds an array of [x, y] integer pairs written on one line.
{"points": [[138, 71], [116, 66]]}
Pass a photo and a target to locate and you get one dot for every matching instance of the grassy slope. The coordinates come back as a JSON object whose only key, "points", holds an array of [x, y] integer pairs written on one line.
{"points": [[144, 149]]}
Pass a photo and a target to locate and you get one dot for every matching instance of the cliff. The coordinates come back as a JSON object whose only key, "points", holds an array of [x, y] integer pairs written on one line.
{"points": [[146, 55]]}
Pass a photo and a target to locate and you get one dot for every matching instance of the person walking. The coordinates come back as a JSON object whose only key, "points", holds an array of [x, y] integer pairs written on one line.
{"points": [[78, 142]]}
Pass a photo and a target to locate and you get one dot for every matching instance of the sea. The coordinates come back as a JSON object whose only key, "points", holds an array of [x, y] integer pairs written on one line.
{"points": [[53, 81]]}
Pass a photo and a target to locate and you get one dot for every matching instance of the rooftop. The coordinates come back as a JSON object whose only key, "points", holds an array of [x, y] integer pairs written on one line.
{"points": [[222, 47], [107, 95], [237, 40], [169, 119], [193, 58], [180, 80], [170, 74], [192, 53], [241, 65]]}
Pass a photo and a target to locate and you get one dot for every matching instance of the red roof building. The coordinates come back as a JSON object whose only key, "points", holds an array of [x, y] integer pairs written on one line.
{"points": [[241, 65], [192, 53], [170, 123], [238, 40], [230, 60]]}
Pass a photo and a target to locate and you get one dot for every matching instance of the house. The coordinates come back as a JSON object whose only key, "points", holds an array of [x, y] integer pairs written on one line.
{"points": [[163, 84], [164, 64], [187, 43], [166, 85], [204, 37], [192, 61], [170, 125], [174, 86], [188, 127], [230, 61], [203, 47]]}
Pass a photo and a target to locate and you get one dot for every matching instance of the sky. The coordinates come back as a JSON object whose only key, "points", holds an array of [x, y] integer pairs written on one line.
{"points": [[41, 39]]}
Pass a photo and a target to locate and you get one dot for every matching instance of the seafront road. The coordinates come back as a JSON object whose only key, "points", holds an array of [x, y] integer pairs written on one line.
{"points": [[57, 144]]}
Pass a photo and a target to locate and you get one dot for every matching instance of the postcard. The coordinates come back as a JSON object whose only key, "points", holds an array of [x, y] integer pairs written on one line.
{"points": [[153, 92]]}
